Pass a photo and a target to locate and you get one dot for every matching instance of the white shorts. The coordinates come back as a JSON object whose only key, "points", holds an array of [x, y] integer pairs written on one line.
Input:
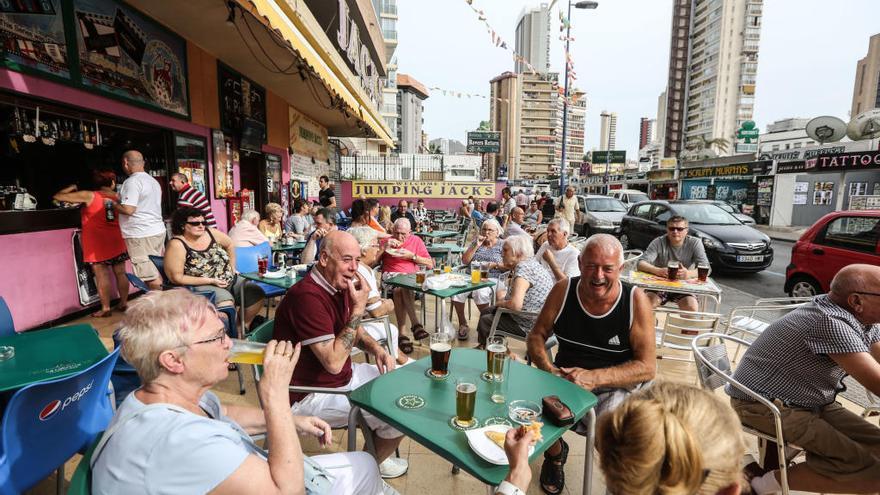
{"points": [[481, 296], [353, 472], [376, 329], [334, 408]]}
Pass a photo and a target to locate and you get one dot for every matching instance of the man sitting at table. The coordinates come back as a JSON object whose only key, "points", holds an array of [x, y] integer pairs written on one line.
{"points": [[606, 338], [406, 254], [675, 245], [557, 254], [325, 222], [514, 223], [420, 213], [323, 312], [799, 363], [403, 212]]}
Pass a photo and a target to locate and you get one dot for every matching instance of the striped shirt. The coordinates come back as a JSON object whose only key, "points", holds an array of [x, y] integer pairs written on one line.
{"points": [[790, 361], [190, 196]]}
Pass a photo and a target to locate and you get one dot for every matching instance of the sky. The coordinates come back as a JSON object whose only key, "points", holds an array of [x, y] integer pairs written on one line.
{"points": [[806, 64]]}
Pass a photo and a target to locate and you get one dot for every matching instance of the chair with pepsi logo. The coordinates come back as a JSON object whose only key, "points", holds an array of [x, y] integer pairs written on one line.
{"points": [[246, 262], [46, 423]]}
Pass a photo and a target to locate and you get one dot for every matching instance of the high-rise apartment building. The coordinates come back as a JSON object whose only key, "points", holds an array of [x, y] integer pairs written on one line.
{"points": [[504, 116], [660, 124], [607, 131], [713, 63], [866, 89], [533, 39], [539, 97], [410, 94], [577, 112], [646, 131], [386, 10]]}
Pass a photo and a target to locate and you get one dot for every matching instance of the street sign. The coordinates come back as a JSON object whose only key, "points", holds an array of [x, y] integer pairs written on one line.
{"points": [[748, 131], [484, 142], [612, 156]]}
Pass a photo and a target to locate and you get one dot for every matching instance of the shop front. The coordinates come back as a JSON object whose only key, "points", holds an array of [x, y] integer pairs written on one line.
{"points": [[151, 76], [593, 184], [662, 184], [746, 186]]}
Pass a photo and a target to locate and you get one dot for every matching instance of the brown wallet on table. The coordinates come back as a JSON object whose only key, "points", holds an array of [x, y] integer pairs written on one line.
{"points": [[556, 411]]}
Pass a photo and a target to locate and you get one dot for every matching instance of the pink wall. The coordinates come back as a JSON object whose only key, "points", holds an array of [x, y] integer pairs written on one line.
{"points": [[430, 203]]}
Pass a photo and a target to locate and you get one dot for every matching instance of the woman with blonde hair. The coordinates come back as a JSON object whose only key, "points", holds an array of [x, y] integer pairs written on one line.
{"points": [[671, 439], [385, 217], [270, 225]]}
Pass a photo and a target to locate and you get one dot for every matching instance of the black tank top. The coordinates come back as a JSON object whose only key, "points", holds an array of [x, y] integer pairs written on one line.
{"points": [[593, 341]]}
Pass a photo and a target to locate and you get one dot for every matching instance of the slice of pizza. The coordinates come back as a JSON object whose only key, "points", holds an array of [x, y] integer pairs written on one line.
{"points": [[497, 437], [535, 428]]}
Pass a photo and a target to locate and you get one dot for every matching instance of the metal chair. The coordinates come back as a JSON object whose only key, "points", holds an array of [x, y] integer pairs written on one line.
{"points": [[263, 334], [857, 394], [680, 328], [494, 330], [750, 321], [46, 423], [7, 326], [631, 259], [714, 370]]}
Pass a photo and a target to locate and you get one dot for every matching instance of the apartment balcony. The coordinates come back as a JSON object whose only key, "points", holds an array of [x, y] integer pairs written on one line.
{"points": [[389, 35]]}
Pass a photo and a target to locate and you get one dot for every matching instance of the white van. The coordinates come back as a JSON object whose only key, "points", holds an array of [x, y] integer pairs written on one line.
{"points": [[629, 196]]}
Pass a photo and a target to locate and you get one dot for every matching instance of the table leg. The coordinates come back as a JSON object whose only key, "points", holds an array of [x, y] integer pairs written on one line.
{"points": [[241, 311], [588, 453], [490, 490]]}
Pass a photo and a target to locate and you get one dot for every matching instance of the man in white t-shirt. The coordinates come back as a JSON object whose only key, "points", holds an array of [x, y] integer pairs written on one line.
{"points": [[140, 218], [557, 254]]}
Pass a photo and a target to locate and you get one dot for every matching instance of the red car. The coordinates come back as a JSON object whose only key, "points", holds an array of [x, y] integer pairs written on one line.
{"points": [[838, 239]]}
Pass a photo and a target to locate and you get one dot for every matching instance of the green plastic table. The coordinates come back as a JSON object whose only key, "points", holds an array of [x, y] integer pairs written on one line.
{"points": [[283, 282], [437, 234], [409, 282], [430, 427], [296, 246], [42, 355]]}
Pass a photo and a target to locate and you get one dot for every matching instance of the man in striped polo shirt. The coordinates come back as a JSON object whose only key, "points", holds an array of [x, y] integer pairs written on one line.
{"points": [[190, 196]]}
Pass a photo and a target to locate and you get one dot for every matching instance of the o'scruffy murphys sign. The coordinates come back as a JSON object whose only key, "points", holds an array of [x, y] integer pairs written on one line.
{"points": [[422, 189]]}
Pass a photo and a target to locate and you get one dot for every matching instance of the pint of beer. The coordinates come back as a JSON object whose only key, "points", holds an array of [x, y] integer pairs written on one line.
{"points": [[465, 402], [246, 352], [496, 345], [420, 277], [441, 348]]}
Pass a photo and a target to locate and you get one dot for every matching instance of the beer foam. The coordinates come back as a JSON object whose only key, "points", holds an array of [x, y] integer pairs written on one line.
{"points": [[496, 348], [466, 388], [441, 347]]}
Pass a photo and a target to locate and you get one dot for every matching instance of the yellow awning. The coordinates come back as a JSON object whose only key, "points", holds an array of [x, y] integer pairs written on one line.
{"points": [[293, 25]]}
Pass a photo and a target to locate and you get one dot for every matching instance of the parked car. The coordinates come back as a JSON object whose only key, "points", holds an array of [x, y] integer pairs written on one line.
{"points": [[599, 214], [628, 197], [838, 239], [730, 245], [729, 208]]}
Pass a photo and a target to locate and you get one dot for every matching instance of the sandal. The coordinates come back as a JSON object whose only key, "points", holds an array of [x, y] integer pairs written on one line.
{"points": [[404, 344], [463, 331], [553, 471], [102, 314], [122, 308], [419, 332]]}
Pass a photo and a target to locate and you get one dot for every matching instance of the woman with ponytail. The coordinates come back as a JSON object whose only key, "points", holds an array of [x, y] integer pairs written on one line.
{"points": [[671, 439]]}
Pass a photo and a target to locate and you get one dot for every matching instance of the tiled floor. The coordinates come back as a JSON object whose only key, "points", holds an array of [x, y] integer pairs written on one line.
{"points": [[428, 473]]}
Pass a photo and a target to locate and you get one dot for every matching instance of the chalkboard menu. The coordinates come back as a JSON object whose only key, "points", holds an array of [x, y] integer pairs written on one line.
{"points": [[241, 101]]}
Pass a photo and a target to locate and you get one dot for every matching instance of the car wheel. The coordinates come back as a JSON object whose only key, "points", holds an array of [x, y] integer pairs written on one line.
{"points": [[624, 241], [804, 287], [585, 231]]}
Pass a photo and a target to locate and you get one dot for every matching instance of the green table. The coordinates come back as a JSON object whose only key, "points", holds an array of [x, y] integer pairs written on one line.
{"points": [[437, 234], [429, 425], [444, 251], [42, 355], [296, 246], [283, 282], [409, 282]]}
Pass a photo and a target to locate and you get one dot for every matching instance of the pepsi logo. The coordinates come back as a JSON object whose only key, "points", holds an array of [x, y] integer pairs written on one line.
{"points": [[50, 410]]}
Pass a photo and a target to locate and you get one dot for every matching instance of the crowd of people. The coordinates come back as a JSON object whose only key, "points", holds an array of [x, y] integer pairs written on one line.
{"points": [[653, 437]]}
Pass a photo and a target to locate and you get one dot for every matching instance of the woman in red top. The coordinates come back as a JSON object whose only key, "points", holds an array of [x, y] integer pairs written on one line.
{"points": [[102, 243]]}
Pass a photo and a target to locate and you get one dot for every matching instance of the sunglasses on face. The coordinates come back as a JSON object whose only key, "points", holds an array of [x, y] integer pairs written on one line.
{"points": [[196, 224], [676, 229]]}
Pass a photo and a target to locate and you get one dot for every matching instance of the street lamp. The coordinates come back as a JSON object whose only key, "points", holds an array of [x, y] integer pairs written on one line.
{"points": [[579, 5]]}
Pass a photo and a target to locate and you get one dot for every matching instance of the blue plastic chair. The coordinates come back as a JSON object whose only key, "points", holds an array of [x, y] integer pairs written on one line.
{"points": [[46, 423], [7, 326], [246, 262]]}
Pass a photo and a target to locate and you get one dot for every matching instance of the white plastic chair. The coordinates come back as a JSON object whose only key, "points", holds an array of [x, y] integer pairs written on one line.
{"points": [[857, 394]]}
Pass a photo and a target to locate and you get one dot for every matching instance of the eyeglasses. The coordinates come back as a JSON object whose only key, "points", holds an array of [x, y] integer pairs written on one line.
{"points": [[203, 223], [221, 334], [867, 293], [677, 229]]}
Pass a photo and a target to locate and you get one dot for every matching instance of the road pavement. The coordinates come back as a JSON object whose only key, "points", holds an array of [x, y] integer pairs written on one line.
{"points": [[741, 289]]}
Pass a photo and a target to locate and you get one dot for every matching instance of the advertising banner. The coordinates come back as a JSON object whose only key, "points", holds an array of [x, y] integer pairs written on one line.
{"points": [[423, 189], [307, 137], [32, 34]]}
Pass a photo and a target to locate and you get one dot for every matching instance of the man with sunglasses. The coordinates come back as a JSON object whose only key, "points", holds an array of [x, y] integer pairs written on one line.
{"points": [[798, 363], [676, 246]]}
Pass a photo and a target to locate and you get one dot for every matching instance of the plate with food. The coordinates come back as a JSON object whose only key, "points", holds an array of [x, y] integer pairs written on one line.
{"points": [[278, 274], [488, 442], [395, 252]]}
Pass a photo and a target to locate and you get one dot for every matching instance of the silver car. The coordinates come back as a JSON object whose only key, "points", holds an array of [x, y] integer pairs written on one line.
{"points": [[742, 217], [599, 214]]}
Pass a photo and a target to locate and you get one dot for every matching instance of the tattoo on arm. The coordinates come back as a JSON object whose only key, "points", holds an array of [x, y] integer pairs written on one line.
{"points": [[349, 333]]}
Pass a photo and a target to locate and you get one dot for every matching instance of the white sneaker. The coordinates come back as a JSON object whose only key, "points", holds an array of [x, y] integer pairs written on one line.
{"points": [[393, 467]]}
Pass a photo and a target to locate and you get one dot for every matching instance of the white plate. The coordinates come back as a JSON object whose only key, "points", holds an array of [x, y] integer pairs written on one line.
{"points": [[487, 449], [394, 252], [278, 274]]}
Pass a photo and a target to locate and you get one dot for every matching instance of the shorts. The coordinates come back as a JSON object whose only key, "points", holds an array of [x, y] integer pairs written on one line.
{"points": [[376, 329], [667, 297], [119, 258], [334, 408], [840, 445], [353, 472], [252, 292], [608, 400], [139, 249], [480, 296]]}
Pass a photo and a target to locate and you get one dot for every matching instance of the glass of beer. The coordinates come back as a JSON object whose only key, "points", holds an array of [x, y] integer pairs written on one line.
{"points": [[499, 382], [703, 271], [420, 277], [495, 345], [672, 270], [465, 403], [484, 270], [475, 273], [437, 270], [441, 348], [447, 268], [246, 352]]}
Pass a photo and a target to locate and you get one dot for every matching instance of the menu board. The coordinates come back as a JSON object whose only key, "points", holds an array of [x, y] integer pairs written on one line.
{"points": [[241, 100]]}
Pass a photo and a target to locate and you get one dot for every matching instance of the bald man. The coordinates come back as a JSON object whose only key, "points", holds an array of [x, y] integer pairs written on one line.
{"points": [[515, 223], [605, 330], [323, 312], [798, 363], [140, 218]]}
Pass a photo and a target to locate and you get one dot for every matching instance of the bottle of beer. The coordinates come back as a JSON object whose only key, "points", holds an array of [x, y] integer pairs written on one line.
{"points": [[109, 214]]}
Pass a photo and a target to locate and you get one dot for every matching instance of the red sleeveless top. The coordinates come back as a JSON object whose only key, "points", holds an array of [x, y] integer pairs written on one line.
{"points": [[101, 240]]}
